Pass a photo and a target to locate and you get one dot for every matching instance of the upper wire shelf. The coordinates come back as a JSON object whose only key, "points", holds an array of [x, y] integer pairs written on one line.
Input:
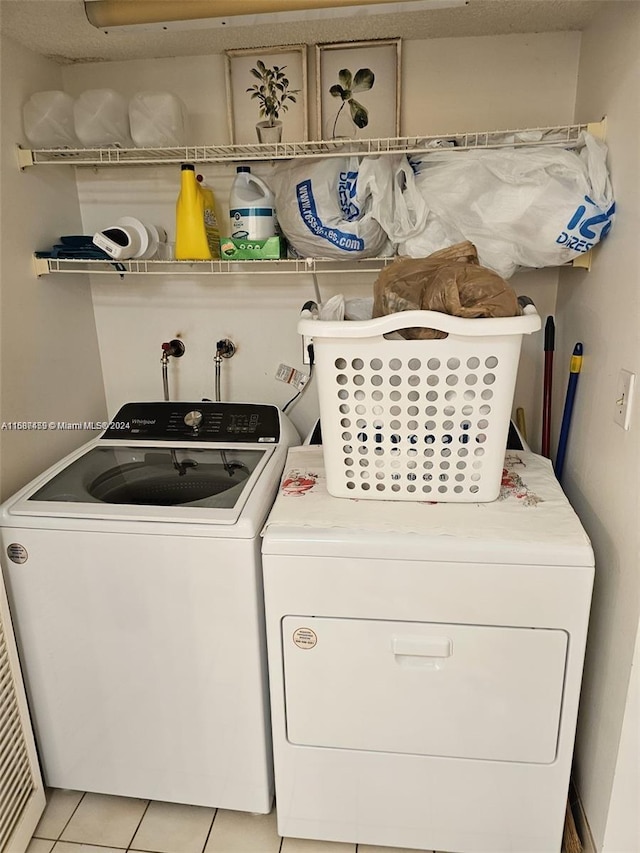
{"points": [[561, 135]]}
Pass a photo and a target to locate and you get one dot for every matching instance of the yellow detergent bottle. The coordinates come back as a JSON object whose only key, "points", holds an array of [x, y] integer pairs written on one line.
{"points": [[191, 236], [211, 226]]}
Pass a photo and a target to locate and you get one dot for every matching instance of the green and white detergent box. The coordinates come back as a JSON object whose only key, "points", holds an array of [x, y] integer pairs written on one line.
{"points": [[235, 249]]}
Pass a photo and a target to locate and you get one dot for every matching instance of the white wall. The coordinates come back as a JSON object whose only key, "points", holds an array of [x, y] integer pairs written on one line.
{"points": [[601, 309], [50, 366], [489, 82], [622, 834], [448, 85]]}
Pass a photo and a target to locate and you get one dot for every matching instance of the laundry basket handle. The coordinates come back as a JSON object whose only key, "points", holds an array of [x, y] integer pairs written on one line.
{"points": [[463, 326]]}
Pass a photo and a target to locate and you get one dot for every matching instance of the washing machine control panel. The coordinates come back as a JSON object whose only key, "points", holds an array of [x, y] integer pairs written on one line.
{"points": [[202, 421]]}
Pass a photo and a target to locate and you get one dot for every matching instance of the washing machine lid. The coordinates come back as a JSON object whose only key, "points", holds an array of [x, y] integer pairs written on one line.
{"points": [[193, 462], [150, 482], [531, 523]]}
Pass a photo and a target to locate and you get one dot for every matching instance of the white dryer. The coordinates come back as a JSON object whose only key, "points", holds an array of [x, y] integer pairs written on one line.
{"points": [[425, 662], [134, 579]]}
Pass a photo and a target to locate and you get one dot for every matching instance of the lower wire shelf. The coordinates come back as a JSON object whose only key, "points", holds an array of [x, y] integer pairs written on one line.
{"points": [[43, 266]]}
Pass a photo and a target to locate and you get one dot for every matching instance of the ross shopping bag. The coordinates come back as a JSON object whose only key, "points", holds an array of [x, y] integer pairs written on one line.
{"points": [[324, 208]]}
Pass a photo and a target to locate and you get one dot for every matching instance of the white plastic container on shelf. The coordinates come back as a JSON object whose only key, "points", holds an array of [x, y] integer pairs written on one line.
{"points": [[157, 120], [252, 207], [101, 118], [48, 120], [131, 238]]}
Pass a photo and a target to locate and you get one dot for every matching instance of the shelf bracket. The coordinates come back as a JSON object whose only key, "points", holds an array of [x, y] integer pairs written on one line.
{"points": [[40, 266], [598, 128], [583, 262], [25, 157]]}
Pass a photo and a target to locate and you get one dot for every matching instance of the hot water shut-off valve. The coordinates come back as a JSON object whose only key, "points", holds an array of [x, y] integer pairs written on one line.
{"points": [[173, 348]]}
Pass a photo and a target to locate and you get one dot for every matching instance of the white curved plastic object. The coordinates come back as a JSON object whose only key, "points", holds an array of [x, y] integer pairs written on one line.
{"points": [[475, 327], [157, 120], [133, 239], [48, 120], [101, 118]]}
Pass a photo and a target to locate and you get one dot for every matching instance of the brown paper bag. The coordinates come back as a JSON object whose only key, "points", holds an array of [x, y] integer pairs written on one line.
{"points": [[450, 281]]}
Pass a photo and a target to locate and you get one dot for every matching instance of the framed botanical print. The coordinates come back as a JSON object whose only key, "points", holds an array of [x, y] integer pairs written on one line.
{"points": [[266, 94], [358, 89]]}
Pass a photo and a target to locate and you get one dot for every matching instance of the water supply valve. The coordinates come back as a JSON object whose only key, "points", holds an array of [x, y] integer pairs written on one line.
{"points": [[175, 348], [225, 348]]}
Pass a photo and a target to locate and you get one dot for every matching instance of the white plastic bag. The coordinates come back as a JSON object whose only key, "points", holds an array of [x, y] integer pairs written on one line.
{"points": [[332, 309], [527, 207], [358, 308], [397, 203], [324, 209]]}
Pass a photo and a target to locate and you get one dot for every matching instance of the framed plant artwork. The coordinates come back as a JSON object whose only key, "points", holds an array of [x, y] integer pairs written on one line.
{"points": [[266, 94], [358, 89]]}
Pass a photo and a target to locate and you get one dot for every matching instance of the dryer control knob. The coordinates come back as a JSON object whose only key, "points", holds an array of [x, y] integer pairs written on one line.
{"points": [[193, 419]]}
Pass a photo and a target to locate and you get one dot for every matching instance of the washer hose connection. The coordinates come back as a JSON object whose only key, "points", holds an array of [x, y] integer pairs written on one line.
{"points": [[173, 348]]}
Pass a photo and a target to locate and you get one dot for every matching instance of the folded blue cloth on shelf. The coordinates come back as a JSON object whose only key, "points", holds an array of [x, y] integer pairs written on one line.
{"points": [[79, 247]]}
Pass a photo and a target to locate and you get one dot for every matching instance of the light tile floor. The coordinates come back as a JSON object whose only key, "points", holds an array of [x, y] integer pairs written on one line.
{"points": [[75, 822]]}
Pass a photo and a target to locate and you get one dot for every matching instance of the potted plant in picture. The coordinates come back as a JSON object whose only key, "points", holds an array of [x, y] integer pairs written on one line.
{"points": [[358, 115], [272, 93]]}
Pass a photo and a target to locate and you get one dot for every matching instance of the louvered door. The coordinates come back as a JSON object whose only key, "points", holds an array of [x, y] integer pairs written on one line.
{"points": [[22, 798]]}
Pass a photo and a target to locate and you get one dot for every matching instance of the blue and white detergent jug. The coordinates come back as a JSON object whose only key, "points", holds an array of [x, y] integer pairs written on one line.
{"points": [[252, 207]]}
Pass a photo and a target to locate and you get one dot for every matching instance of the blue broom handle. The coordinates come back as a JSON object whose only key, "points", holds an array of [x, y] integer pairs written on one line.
{"points": [[574, 372]]}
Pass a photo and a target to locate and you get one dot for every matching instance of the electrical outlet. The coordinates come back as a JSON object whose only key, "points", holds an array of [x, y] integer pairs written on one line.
{"points": [[624, 398], [307, 340]]}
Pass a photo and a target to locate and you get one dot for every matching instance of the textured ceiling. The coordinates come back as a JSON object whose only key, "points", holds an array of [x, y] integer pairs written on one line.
{"points": [[60, 30]]}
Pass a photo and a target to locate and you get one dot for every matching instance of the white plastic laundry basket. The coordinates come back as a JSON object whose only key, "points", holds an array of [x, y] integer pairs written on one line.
{"points": [[416, 420]]}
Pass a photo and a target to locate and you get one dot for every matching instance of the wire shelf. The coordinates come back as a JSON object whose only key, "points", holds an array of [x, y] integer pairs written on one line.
{"points": [[157, 267], [562, 135], [314, 266]]}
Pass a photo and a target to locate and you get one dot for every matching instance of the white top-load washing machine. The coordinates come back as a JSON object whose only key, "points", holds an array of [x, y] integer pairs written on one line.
{"points": [[425, 662], [134, 579]]}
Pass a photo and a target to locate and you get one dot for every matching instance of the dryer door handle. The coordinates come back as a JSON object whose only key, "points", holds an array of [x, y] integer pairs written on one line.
{"points": [[431, 647]]}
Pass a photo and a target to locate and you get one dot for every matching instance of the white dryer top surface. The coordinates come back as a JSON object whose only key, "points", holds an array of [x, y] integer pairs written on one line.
{"points": [[530, 523]]}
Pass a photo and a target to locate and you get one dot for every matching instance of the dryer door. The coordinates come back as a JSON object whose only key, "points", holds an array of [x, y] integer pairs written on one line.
{"points": [[469, 691]]}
